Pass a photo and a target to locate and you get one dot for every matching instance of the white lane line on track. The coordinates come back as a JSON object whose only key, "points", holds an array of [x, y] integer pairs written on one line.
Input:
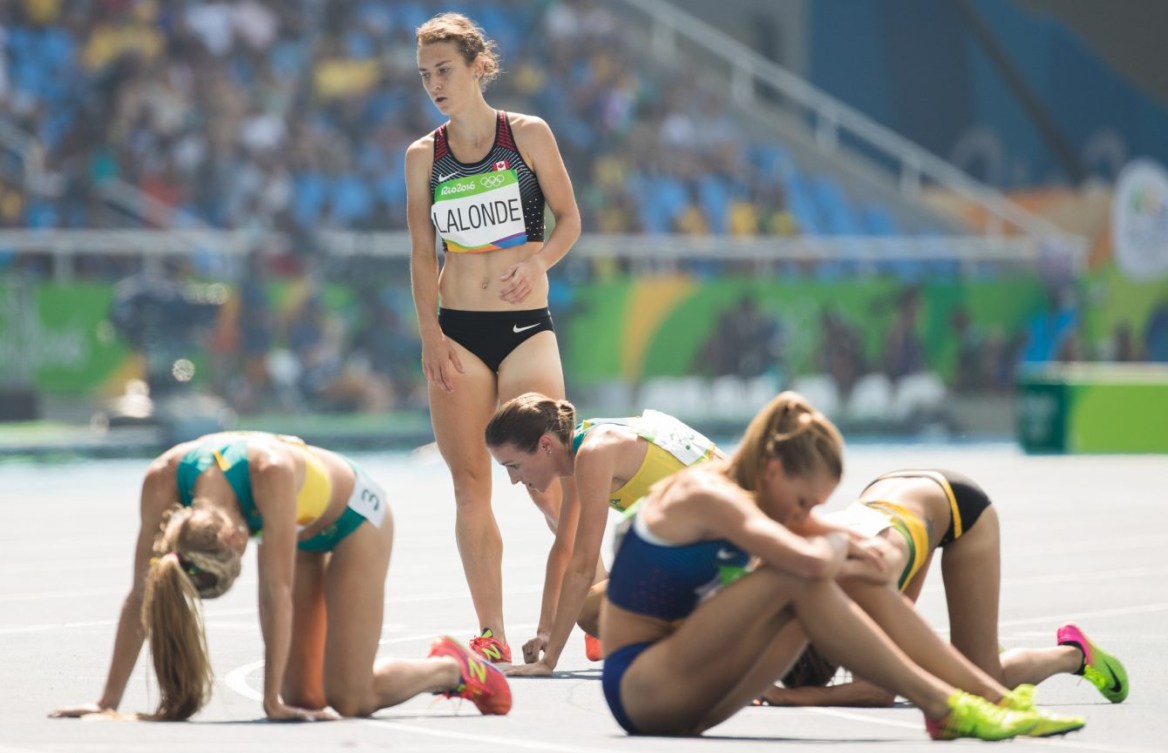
{"points": [[499, 743], [236, 680], [210, 614], [74, 594], [855, 717], [1062, 742], [56, 626], [1098, 747], [43, 595], [1114, 612], [1158, 574]]}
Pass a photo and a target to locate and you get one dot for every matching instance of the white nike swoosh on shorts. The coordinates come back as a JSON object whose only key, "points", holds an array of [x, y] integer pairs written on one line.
{"points": [[517, 329]]}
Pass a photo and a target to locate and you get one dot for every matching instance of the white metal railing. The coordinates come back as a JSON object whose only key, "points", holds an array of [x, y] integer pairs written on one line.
{"points": [[30, 151], [129, 199], [747, 68], [153, 245], [146, 208]]}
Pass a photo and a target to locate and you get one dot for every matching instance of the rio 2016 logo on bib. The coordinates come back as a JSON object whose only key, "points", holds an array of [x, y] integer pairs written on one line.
{"points": [[479, 213]]}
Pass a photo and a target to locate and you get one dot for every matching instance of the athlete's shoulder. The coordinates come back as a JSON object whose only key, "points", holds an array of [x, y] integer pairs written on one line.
{"points": [[605, 437], [523, 124], [422, 147], [166, 463], [420, 159]]}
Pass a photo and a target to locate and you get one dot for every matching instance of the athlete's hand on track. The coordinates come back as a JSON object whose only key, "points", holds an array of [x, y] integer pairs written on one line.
{"points": [[76, 712], [284, 713], [534, 647], [439, 362], [518, 281], [538, 669]]}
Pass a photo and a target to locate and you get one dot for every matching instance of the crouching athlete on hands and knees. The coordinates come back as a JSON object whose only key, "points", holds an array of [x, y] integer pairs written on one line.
{"points": [[608, 463], [921, 512], [323, 557], [690, 632], [481, 181]]}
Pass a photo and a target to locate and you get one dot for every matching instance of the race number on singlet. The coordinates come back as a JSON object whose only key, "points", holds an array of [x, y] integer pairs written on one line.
{"points": [[479, 212]]}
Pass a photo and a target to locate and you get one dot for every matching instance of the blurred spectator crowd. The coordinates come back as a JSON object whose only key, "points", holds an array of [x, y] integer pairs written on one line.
{"points": [[294, 115]]}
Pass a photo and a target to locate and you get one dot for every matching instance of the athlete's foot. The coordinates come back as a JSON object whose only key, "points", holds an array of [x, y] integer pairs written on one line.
{"points": [[973, 716], [1021, 698], [1100, 668], [592, 648], [478, 681], [491, 648]]}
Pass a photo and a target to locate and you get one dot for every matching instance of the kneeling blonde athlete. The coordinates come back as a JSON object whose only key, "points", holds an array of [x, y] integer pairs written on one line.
{"points": [[327, 536], [607, 462], [920, 512]]}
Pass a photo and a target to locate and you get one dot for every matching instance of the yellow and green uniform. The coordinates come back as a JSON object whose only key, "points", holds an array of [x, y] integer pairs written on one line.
{"points": [[672, 446], [229, 452]]}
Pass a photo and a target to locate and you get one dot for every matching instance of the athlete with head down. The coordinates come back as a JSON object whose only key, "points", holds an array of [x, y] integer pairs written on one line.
{"points": [[327, 534], [919, 513], [606, 463]]}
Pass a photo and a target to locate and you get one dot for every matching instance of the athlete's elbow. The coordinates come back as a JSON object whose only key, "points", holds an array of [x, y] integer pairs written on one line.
{"points": [[569, 226]]}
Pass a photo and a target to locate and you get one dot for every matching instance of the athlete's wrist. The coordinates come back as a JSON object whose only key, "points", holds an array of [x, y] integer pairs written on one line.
{"points": [[540, 259]]}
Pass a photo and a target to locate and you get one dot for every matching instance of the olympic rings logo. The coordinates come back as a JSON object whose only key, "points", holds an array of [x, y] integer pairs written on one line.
{"points": [[492, 181]]}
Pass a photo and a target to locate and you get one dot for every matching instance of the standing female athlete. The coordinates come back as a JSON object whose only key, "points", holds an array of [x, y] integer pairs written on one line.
{"points": [[480, 181], [919, 512], [690, 633], [327, 535], [608, 462]]}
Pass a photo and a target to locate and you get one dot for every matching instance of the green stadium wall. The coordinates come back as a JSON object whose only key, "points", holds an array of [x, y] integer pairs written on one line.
{"points": [[621, 328]]}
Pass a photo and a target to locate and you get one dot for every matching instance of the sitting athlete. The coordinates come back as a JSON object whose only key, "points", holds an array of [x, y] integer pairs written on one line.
{"points": [[691, 625], [918, 512], [327, 535], [608, 462]]}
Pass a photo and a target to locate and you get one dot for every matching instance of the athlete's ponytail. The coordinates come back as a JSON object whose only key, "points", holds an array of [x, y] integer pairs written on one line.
{"points": [[192, 559], [523, 420], [174, 627], [788, 428]]}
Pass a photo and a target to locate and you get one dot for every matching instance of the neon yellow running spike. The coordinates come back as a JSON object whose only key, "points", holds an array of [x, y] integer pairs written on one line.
{"points": [[973, 716], [1021, 698], [1100, 668]]}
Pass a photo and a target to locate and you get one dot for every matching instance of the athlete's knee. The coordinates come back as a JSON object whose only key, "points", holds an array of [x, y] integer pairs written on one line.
{"points": [[864, 591], [803, 590], [472, 486], [350, 702]]}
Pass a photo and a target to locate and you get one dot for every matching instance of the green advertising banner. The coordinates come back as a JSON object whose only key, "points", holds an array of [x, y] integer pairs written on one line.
{"points": [[659, 326], [56, 337]]}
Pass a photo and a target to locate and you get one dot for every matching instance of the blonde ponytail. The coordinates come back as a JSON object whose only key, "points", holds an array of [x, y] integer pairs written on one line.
{"points": [[192, 561], [790, 429], [174, 626]]}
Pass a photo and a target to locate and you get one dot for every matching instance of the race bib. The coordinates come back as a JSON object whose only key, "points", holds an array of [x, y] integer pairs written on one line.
{"points": [[676, 438], [479, 213], [368, 499], [861, 519]]}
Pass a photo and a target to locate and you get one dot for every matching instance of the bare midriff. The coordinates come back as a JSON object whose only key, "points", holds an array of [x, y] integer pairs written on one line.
{"points": [[470, 282], [621, 627]]}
